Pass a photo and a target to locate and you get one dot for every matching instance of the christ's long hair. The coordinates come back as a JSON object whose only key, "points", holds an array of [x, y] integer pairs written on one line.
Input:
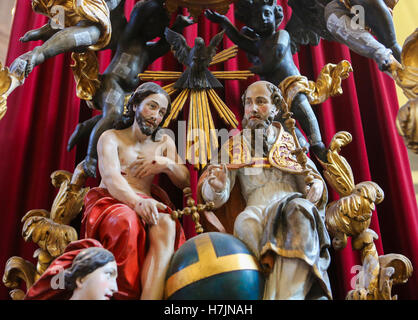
{"points": [[144, 90]]}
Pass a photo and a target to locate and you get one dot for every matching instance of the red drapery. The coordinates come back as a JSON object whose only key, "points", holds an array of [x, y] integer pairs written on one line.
{"points": [[45, 110]]}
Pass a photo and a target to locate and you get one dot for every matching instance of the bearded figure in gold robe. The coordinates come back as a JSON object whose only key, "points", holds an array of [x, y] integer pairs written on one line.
{"points": [[261, 197]]}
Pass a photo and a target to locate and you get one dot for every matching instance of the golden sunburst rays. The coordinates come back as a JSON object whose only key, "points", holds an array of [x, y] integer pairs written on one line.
{"points": [[224, 55], [201, 132]]}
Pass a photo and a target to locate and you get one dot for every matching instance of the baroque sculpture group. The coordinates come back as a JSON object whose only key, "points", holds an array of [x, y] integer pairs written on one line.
{"points": [[263, 221]]}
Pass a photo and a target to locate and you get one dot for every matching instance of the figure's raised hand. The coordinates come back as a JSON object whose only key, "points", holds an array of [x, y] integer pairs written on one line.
{"points": [[314, 191], [147, 209], [217, 177], [214, 16], [183, 21]]}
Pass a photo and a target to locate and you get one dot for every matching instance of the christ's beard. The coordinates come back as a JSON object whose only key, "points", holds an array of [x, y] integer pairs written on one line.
{"points": [[145, 129]]}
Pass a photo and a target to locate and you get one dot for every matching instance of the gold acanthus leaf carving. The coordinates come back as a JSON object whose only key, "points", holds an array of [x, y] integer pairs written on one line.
{"points": [[402, 267], [350, 216], [50, 231], [47, 234], [44, 260], [337, 171], [5, 84], [407, 124], [8, 82], [18, 269], [406, 77], [378, 275], [406, 74], [5, 79], [69, 200]]}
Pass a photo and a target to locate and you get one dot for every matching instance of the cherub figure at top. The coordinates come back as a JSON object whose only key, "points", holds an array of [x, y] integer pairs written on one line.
{"points": [[81, 27], [269, 50]]}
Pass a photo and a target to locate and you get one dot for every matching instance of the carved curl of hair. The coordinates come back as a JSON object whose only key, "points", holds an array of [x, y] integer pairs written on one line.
{"points": [[276, 96], [87, 261], [244, 9]]}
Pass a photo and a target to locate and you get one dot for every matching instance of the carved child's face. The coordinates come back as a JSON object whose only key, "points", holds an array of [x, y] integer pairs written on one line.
{"points": [[263, 20]]}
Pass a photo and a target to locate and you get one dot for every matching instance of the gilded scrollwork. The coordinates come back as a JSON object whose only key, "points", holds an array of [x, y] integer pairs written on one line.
{"points": [[8, 82], [49, 230], [196, 7], [47, 234], [406, 77], [69, 200], [17, 270], [337, 171], [350, 216], [328, 83]]}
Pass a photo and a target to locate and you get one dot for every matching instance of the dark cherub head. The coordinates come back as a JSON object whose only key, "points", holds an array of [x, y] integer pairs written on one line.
{"points": [[263, 16], [154, 16]]}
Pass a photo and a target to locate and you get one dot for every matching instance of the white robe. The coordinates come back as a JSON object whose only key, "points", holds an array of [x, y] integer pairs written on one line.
{"points": [[263, 189]]}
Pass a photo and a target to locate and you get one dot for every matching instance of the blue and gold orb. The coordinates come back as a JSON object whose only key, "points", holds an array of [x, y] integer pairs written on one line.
{"points": [[214, 266]]}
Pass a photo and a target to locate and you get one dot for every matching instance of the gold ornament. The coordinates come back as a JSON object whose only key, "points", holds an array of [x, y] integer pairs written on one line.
{"points": [[8, 82], [86, 74], [195, 7], [201, 136], [406, 77], [49, 230], [328, 83], [192, 209], [350, 216]]}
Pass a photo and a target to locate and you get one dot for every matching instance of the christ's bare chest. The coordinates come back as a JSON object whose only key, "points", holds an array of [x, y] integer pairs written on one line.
{"points": [[149, 150]]}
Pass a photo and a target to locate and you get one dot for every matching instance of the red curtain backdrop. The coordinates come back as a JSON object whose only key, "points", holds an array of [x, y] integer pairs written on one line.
{"points": [[44, 111]]}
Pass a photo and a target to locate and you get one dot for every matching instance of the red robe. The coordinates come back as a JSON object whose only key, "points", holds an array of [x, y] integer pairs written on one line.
{"points": [[42, 289], [119, 230], [122, 232]]}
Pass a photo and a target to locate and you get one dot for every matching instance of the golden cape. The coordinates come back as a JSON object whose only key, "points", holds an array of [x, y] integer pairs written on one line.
{"points": [[239, 156], [280, 157]]}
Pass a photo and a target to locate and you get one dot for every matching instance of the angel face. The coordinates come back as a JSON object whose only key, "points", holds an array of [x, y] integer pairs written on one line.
{"points": [[265, 19]]}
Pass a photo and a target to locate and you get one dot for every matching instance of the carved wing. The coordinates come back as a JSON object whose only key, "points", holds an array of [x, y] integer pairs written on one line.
{"points": [[307, 25], [214, 42], [178, 45], [299, 35]]}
